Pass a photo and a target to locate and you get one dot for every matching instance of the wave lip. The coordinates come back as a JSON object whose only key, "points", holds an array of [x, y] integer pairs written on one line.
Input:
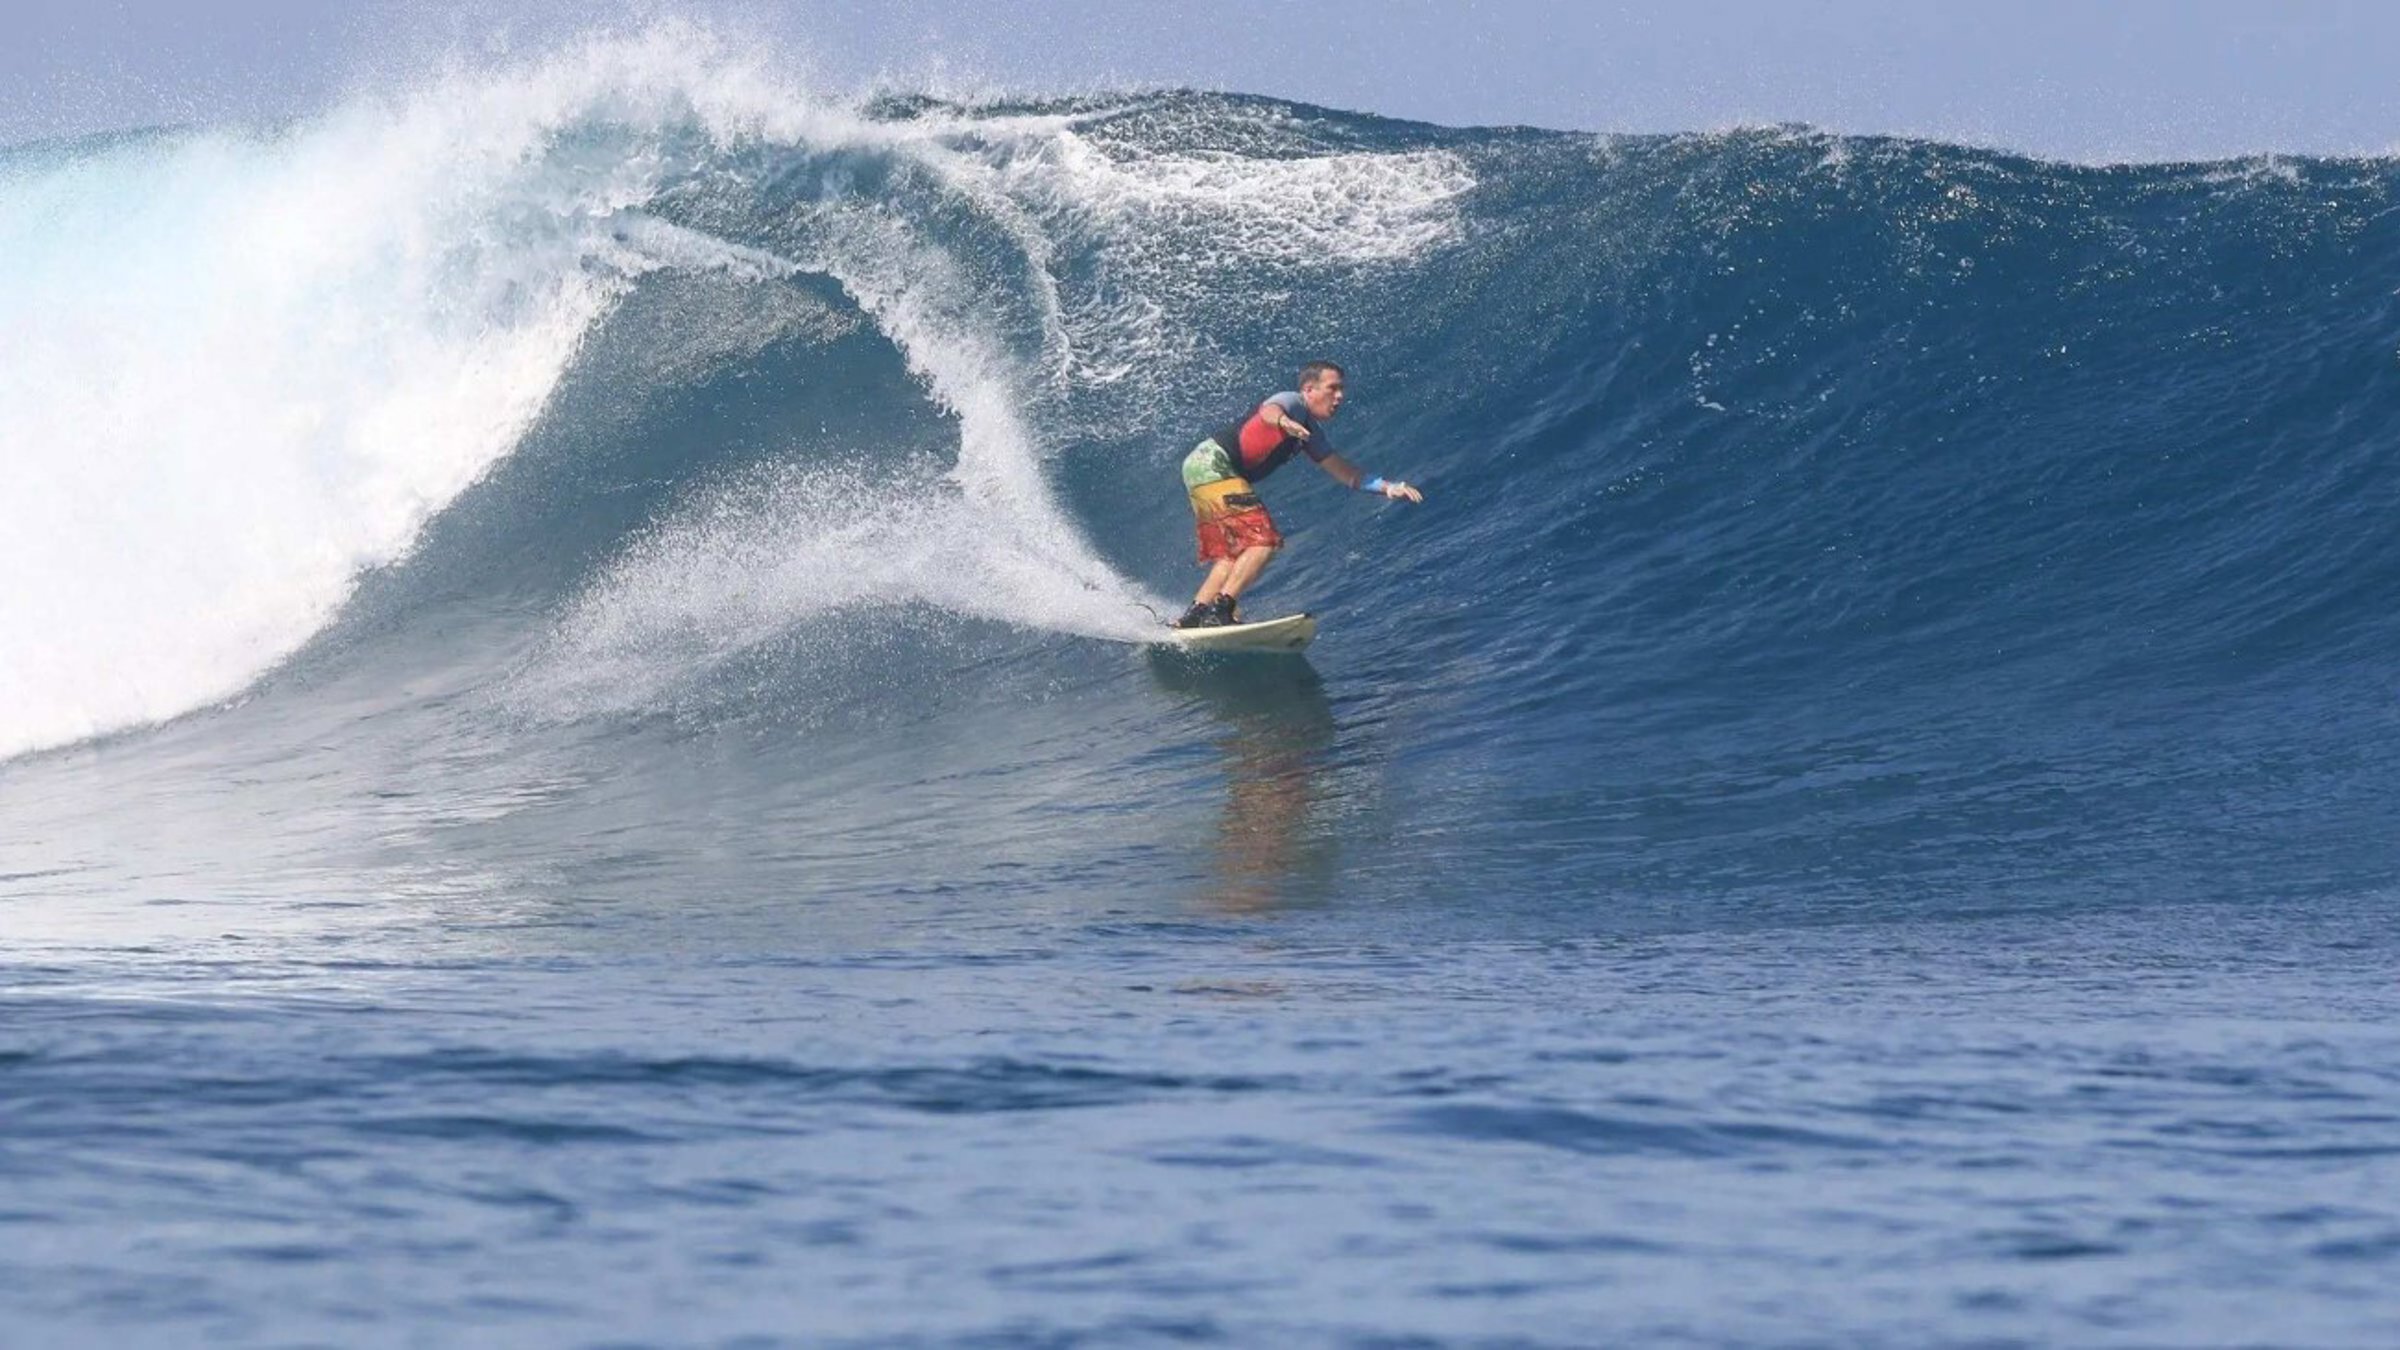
{"points": [[243, 367]]}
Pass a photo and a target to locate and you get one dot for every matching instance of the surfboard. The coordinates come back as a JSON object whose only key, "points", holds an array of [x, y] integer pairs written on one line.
{"points": [[1287, 634]]}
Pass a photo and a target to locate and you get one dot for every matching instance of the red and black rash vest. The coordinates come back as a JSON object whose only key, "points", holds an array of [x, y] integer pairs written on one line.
{"points": [[1258, 449]]}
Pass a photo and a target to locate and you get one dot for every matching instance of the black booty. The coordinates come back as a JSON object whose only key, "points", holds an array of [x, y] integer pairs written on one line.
{"points": [[1198, 616]]}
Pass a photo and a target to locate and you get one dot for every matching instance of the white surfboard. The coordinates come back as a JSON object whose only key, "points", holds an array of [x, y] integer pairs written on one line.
{"points": [[1287, 634]]}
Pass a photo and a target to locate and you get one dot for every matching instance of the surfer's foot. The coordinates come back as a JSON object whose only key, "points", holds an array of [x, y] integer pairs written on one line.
{"points": [[1216, 613]]}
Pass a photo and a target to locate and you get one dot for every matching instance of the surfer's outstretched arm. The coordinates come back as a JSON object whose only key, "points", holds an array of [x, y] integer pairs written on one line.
{"points": [[1356, 479]]}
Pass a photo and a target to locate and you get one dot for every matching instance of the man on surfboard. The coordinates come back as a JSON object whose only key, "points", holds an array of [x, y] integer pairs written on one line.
{"points": [[1237, 539]]}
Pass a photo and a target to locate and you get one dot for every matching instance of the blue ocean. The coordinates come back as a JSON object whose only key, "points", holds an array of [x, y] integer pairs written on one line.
{"points": [[584, 757]]}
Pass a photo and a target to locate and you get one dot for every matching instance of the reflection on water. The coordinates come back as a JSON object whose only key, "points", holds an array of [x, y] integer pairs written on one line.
{"points": [[1277, 734]]}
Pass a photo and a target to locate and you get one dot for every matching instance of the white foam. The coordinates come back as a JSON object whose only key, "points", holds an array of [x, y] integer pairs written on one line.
{"points": [[764, 559], [1309, 210], [234, 372], [1164, 226]]}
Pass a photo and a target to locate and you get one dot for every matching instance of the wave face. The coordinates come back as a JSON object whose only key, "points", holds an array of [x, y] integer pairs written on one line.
{"points": [[1805, 512]]}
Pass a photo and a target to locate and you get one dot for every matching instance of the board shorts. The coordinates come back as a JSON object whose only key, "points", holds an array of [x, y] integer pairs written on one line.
{"points": [[1226, 511]]}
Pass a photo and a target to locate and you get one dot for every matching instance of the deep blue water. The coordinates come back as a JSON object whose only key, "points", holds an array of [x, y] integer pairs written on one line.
{"points": [[583, 769]]}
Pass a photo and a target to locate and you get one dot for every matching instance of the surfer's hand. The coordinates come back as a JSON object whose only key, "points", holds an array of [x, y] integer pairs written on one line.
{"points": [[1399, 491], [1293, 429]]}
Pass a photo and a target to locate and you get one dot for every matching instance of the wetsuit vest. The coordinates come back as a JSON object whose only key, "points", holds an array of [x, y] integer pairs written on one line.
{"points": [[1229, 437]]}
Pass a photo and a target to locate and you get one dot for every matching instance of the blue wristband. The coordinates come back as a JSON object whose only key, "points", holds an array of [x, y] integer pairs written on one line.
{"points": [[1371, 485]]}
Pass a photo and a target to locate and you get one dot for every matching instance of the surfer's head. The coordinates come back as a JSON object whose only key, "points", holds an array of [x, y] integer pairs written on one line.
{"points": [[1321, 388]]}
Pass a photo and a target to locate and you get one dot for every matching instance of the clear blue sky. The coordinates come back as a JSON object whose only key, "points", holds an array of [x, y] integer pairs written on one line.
{"points": [[2098, 79]]}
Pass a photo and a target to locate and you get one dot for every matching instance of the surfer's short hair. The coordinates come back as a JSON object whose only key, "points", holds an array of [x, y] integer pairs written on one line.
{"points": [[1317, 370]]}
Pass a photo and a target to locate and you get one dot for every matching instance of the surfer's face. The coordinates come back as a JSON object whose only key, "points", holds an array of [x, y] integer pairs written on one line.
{"points": [[1322, 397]]}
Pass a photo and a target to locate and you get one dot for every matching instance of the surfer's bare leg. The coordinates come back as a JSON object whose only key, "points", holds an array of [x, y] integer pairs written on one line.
{"points": [[1246, 568], [1218, 571]]}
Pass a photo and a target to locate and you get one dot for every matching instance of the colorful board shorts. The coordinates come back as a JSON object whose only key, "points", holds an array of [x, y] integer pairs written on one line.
{"points": [[1228, 514]]}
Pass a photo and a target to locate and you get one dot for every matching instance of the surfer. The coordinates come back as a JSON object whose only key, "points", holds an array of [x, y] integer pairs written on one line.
{"points": [[1237, 539]]}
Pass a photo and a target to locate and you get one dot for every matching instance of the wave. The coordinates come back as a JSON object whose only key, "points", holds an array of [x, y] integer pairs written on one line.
{"points": [[1758, 455]]}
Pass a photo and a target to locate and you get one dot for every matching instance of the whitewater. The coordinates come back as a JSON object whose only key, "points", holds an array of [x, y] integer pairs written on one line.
{"points": [[580, 764]]}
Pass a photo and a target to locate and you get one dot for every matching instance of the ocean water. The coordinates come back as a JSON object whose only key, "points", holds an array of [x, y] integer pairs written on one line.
{"points": [[581, 764]]}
